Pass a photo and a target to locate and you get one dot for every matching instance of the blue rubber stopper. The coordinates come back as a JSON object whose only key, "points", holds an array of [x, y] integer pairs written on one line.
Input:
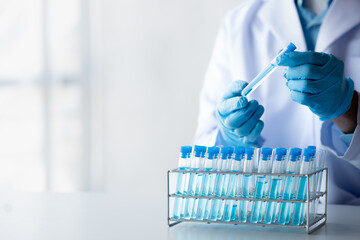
{"points": [[294, 153], [249, 152], [308, 154], [239, 152], [280, 152], [213, 152], [266, 152], [185, 151], [199, 151]]}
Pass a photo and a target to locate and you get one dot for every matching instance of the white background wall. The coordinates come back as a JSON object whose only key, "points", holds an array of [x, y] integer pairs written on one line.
{"points": [[155, 54]]}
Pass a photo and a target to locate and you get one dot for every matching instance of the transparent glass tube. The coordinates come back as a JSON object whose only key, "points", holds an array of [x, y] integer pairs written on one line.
{"points": [[265, 166], [301, 192], [276, 185], [184, 164], [247, 184], [261, 77]]}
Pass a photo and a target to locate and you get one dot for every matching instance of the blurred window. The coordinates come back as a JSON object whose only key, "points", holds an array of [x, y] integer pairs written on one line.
{"points": [[44, 97]]}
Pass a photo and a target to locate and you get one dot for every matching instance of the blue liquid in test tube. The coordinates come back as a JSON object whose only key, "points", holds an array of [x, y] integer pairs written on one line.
{"points": [[275, 189], [246, 188], [211, 185], [265, 165], [210, 165], [196, 163], [229, 212], [222, 165], [260, 78], [301, 193], [184, 164], [225, 183], [293, 167]]}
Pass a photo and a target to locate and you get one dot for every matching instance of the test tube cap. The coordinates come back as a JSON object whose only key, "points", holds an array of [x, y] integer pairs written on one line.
{"points": [[312, 147], [230, 151], [213, 152], [225, 151], [291, 47], [280, 152], [308, 154], [199, 151], [266, 152], [239, 152], [249, 151], [294, 153], [185, 151]]}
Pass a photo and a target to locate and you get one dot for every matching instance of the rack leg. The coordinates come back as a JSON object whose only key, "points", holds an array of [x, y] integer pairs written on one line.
{"points": [[173, 224], [310, 231]]}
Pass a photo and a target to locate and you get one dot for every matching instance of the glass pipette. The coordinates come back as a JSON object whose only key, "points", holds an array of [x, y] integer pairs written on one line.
{"points": [[259, 79]]}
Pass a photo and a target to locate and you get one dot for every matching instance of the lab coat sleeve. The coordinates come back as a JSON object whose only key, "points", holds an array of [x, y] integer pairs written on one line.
{"points": [[331, 139], [217, 78]]}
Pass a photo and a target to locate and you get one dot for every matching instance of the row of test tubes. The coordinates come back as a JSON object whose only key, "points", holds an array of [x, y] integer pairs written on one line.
{"points": [[214, 160]]}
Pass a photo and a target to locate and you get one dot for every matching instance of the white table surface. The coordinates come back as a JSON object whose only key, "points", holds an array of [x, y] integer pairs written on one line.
{"points": [[53, 216]]}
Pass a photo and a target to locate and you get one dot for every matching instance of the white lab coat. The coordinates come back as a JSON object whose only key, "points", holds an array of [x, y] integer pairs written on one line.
{"points": [[249, 37]]}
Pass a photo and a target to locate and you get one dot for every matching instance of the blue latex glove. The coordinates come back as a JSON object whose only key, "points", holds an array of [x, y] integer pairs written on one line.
{"points": [[239, 119], [317, 81]]}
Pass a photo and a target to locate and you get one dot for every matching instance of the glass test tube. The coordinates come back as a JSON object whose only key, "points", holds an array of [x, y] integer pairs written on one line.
{"points": [[222, 164], [246, 188], [301, 193], [184, 164], [210, 165], [265, 165], [293, 167], [197, 160], [229, 212], [276, 185], [261, 77]]}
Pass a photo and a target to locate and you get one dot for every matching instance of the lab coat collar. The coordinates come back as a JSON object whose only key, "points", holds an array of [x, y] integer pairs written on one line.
{"points": [[282, 18], [342, 16]]}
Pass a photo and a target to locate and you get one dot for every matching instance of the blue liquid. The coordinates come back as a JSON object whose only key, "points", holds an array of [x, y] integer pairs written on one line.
{"points": [[179, 183], [179, 190], [215, 207], [258, 194], [260, 78], [229, 211], [225, 185], [185, 185], [207, 209], [189, 202], [221, 210], [199, 188], [211, 183], [200, 212], [232, 185], [233, 212], [215, 204], [177, 207], [218, 185], [204, 191], [229, 204], [243, 206], [191, 186], [209, 203], [284, 209], [274, 193], [301, 195]]}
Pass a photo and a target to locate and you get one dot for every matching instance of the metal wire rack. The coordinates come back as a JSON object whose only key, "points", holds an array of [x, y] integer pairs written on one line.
{"points": [[312, 223]]}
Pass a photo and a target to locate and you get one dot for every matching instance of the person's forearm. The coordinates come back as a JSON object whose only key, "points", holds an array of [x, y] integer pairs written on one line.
{"points": [[348, 121]]}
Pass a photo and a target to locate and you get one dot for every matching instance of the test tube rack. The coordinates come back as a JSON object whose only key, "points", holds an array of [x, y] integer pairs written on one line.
{"points": [[310, 225]]}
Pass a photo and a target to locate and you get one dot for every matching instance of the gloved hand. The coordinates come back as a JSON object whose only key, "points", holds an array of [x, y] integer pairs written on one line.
{"points": [[239, 119], [317, 81]]}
